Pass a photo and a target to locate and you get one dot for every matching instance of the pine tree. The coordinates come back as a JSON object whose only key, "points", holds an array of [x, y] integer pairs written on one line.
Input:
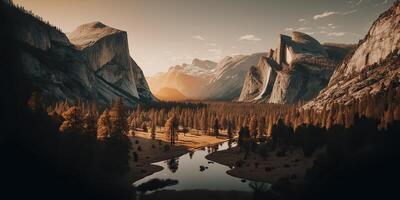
{"points": [[262, 127], [118, 119], [229, 130], [216, 127], [153, 130], [253, 127], [103, 125], [171, 125], [89, 123], [204, 121]]}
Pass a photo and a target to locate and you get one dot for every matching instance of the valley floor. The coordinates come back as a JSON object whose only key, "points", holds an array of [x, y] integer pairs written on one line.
{"points": [[293, 165], [150, 151]]}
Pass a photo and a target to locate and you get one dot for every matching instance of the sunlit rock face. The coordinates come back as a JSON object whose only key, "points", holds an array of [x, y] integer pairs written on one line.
{"points": [[373, 65], [188, 79], [62, 71], [295, 71], [229, 78], [107, 51]]}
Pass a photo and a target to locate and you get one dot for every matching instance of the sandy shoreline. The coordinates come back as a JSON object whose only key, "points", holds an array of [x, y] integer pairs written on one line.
{"points": [[151, 151], [270, 169]]}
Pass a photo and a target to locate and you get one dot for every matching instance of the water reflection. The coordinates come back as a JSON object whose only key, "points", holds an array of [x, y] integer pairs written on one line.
{"points": [[191, 154], [155, 184], [197, 172], [173, 164]]}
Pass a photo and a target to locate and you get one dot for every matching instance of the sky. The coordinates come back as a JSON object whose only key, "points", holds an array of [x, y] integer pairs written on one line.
{"points": [[163, 33]]}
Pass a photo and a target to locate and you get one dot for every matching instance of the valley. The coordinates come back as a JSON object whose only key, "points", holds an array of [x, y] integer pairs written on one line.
{"points": [[247, 110]]}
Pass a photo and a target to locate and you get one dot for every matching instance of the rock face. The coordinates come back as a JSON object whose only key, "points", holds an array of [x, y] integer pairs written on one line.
{"points": [[107, 51], [189, 79], [295, 71], [96, 66], [230, 75], [204, 79], [373, 65]]}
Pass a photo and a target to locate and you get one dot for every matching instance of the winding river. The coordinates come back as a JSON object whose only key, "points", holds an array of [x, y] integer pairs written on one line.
{"points": [[193, 171]]}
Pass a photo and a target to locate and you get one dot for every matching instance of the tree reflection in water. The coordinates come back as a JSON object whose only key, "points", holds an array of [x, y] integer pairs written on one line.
{"points": [[259, 188], [173, 164], [191, 154]]}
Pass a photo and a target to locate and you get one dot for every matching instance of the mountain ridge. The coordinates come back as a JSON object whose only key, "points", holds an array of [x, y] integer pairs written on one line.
{"points": [[59, 70]]}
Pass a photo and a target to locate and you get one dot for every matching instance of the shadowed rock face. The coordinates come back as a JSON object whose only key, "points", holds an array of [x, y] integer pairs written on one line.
{"points": [[295, 71], [90, 69], [372, 67]]}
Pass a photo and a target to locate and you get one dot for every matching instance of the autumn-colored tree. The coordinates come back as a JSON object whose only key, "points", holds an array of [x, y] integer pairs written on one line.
{"points": [[103, 126], [72, 121]]}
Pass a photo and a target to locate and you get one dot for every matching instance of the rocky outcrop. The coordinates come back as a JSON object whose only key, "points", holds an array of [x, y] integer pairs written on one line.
{"points": [[107, 51], [295, 71], [189, 79], [61, 70], [229, 77], [371, 68]]}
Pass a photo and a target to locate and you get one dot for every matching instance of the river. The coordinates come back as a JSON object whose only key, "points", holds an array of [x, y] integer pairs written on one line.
{"points": [[189, 174]]}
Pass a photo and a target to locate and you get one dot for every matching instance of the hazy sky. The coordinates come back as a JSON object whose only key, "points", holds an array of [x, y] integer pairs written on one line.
{"points": [[163, 33]]}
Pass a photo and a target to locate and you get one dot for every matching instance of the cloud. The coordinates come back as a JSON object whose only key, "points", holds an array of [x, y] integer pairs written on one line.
{"points": [[332, 26], [325, 14], [302, 29], [349, 12], [302, 20], [249, 37], [289, 29], [211, 44], [199, 37], [297, 29], [355, 3], [335, 34]]}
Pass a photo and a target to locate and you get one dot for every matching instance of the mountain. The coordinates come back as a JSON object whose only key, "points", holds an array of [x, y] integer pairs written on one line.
{"points": [[295, 71], [372, 68], [92, 64], [170, 94], [230, 75], [189, 79], [107, 51]]}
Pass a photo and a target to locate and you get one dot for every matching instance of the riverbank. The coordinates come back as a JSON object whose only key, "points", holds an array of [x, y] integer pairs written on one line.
{"points": [[256, 168], [150, 151]]}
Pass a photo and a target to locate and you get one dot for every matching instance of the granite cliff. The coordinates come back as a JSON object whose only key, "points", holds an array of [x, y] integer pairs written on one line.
{"points": [[90, 65], [372, 68], [295, 71]]}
